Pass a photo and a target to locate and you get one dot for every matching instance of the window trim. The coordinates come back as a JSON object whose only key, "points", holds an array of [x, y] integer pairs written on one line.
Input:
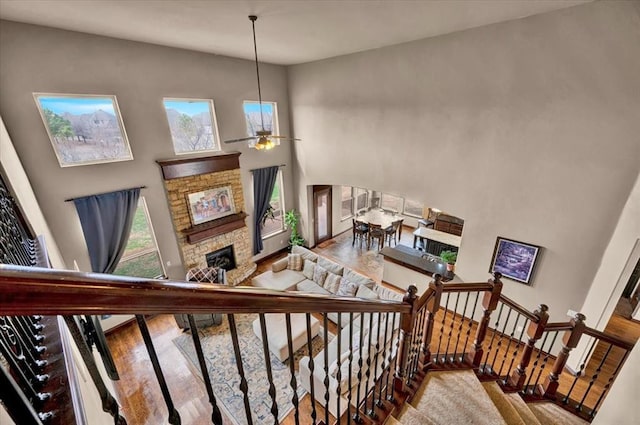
{"points": [[399, 211], [143, 202], [283, 228], [365, 192]]}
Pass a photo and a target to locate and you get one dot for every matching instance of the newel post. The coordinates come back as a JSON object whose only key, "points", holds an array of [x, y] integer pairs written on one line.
{"points": [[404, 339], [489, 303], [431, 310], [570, 341], [534, 332]]}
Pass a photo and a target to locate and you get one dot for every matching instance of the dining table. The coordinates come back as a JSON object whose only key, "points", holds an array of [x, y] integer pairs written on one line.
{"points": [[377, 216]]}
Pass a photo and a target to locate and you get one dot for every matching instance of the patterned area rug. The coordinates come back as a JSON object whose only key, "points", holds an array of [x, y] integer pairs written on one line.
{"points": [[218, 350]]}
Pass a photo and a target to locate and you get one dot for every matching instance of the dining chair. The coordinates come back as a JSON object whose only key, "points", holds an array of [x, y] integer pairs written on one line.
{"points": [[360, 232], [376, 232], [391, 232]]}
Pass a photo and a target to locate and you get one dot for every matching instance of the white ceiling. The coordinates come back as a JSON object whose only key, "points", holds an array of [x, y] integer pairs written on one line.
{"points": [[287, 31]]}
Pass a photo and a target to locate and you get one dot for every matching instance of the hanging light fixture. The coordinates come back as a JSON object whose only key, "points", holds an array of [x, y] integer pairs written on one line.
{"points": [[263, 138]]}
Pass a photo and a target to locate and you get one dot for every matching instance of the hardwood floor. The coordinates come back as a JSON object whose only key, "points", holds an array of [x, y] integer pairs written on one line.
{"points": [[139, 392]]}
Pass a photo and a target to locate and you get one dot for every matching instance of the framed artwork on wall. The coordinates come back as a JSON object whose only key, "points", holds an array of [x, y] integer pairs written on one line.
{"points": [[515, 260], [193, 125], [84, 129], [210, 204]]}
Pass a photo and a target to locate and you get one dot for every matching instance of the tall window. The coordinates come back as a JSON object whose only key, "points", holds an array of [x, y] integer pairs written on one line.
{"points": [[254, 120], [361, 198], [412, 208], [193, 125], [141, 257], [347, 202], [391, 202], [273, 221]]}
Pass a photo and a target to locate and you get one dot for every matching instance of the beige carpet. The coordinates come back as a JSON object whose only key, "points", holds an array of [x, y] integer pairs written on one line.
{"points": [[550, 414], [508, 412], [523, 409], [409, 415], [456, 398], [392, 421]]}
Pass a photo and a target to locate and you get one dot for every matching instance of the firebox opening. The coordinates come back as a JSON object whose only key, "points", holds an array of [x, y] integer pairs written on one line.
{"points": [[224, 258]]}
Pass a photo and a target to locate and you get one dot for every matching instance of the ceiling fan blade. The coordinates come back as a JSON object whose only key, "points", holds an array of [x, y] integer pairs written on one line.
{"points": [[284, 137], [244, 139]]}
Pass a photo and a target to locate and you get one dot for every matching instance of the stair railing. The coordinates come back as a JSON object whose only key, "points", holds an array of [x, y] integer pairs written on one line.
{"points": [[381, 353]]}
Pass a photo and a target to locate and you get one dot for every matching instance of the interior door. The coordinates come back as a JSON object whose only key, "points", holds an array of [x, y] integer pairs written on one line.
{"points": [[322, 213]]}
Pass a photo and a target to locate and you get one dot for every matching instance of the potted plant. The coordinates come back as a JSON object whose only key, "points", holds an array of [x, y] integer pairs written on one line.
{"points": [[291, 220], [450, 258], [269, 214]]}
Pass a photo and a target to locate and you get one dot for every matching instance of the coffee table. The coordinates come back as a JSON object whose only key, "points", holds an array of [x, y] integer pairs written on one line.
{"points": [[277, 332]]}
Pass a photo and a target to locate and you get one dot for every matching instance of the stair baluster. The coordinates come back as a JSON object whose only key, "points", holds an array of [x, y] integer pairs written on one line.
{"points": [[416, 346], [489, 302], [594, 377], [451, 325], [455, 358], [244, 387], [443, 325], [543, 365], [384, 364], [570, 341], [608, 384], [432, 308], [566, 398], [406, 328], [510, 340], [314, 413], [293, 382], [371, 413], [469, 326], [356, 415], [389, 394], [216, 416], [534, 332], [483, 369], [349, 395], [325, 324]]}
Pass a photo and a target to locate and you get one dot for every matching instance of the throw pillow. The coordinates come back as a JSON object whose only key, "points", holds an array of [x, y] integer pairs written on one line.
{"points": [[294, 262], [347, 288], [308, 269], [364, 292], [319, 275], [332, 282]]}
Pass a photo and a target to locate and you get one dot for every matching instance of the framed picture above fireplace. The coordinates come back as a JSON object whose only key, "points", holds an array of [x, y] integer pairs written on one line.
{"points": [[515, 260], [210, 204]]}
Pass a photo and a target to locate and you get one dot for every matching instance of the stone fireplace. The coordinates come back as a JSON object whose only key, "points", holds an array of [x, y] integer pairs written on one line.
{"points": [[225, 239]]}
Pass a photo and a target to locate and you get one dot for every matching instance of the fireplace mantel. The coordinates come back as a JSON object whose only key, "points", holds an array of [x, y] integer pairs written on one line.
{"points": [[213, 228], [185, 167]]}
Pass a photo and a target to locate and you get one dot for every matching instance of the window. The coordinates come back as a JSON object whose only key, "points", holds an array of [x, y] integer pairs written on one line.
{"points": [[254, 119], [347, 202], [413, 208], [361, 199], [391, 202], [141, 257], [193, 125], [274, 219]]}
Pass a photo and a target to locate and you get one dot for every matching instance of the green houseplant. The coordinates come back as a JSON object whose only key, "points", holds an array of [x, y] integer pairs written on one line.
{"points": [[450, 258], [291, 220]]}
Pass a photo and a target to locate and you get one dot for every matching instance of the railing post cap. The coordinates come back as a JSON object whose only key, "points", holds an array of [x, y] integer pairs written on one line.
{"points": [[579, 317], [543, 308], [410, 296], [437, 279]]}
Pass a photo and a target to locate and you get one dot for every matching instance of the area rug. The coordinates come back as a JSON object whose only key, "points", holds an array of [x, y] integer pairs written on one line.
{"points": [[221, 364]]}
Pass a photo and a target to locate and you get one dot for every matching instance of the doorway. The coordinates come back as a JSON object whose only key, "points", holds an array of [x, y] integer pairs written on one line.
{"points": [[322, 213]]}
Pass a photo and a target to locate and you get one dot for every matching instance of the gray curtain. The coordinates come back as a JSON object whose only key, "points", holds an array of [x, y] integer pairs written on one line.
{"points": [[264, 179], [106, 222]]}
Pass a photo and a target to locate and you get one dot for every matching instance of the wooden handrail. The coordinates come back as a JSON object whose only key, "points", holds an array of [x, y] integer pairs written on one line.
{"points": [[558, 326], [520, 309], [466, 287], [611, 339], [32, 290], [424, 298]]}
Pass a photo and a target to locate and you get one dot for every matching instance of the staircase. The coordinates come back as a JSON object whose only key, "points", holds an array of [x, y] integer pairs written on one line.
{"points": [[458, 397]]}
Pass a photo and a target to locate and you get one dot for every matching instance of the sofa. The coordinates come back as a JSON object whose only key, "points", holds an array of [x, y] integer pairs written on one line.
{"points": [[306, 271]]}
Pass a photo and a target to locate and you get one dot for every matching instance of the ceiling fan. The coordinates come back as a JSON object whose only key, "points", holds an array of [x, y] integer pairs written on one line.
{"points": [[263, 138]]}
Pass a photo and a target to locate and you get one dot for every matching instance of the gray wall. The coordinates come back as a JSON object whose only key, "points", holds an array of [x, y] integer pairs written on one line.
{"points": [[39, 59], [528, 129]]}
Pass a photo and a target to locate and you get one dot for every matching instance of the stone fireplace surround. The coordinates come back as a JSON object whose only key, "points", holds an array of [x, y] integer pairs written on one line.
{"points": [[184, 176]]}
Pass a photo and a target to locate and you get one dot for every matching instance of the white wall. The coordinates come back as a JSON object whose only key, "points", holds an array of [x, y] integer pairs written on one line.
{"points": [[19, 183], [40, 59], [527, 129]]}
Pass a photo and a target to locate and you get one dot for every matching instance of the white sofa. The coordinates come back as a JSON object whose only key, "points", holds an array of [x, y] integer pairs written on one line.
{"points": [[280, 277]]}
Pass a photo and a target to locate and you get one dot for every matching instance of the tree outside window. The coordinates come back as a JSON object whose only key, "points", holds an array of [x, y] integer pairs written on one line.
{"points": [[254, 119], [347, 202], [141, 257], [273, 220]]}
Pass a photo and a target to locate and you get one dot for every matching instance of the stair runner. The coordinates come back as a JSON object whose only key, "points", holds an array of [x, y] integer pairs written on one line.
{"points": [[475, 403]]}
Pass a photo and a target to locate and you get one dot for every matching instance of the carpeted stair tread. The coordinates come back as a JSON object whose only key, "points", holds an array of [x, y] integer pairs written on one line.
{"points": [[550, 414], [508, 412], [523, 409], [456, 398], [392, 421], [410, 416]]}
